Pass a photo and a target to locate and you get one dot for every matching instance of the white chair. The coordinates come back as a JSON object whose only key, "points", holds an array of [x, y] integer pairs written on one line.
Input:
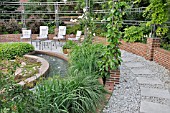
{"points": [[77, 38], [61, 34], [26, 34], [43, 32], [42, 36]]}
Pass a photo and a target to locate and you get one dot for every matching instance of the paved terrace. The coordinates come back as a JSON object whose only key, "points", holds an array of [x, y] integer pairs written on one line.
{"points": [[144, 86]]}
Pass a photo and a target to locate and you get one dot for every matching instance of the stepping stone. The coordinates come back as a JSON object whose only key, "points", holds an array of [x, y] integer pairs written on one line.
{"points": [[142, 71], [153, 81], [150, 92], [150, 107], [134, 64], [127, 59]]}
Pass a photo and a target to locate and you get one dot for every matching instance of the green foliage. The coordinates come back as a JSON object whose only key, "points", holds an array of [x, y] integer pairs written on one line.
{"points": [[11, 27], [136, 33], [111, 56], [86, 57], [51, 27], [73, 29], [7, 8], [133, 34], [11, 50], [13, 98], [100, 30], [35, 25], [78, 94], [157, 11], [69, 44]]}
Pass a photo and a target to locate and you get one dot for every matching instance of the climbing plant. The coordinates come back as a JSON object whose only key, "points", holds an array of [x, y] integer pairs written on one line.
{"points": [[157, 12], [87, 20], [111, 57]]}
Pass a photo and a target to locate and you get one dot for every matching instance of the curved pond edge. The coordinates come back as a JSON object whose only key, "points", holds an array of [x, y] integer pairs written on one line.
{"points": [[43, 70], [55, 54]]}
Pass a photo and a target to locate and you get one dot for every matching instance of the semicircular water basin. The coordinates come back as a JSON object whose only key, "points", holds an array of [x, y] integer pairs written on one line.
{"points": [[57, 66]]}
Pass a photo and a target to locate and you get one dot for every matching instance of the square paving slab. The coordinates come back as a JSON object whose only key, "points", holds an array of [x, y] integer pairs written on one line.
{"points": [[142, 71], [155, 93], [153, 81], [134, 64], [127, 59], [150, 107]]}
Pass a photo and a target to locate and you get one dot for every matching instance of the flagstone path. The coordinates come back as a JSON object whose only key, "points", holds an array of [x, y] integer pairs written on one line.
{"points": [[144, 87]]}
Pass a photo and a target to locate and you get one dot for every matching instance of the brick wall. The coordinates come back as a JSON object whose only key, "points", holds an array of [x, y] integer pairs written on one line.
{"points": [[150, 51], [16, 37], [162, 57], [136, 48], [152, 44]]}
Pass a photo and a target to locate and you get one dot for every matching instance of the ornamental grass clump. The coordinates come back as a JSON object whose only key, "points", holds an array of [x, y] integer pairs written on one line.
{"points": [[85, 57], [78, 94]]}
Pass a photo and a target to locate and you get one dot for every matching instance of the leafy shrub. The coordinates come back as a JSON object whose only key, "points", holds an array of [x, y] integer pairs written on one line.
{"points": [[73, 29], [12, 26], [2, 27], [133, 34], [11, 50], [13, 97], [69, 44], [136, 33], [51, 27], [35, 25], [100, 29]]}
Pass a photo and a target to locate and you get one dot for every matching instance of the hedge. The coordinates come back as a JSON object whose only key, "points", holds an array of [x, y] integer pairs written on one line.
{"points": [[11, 50]]}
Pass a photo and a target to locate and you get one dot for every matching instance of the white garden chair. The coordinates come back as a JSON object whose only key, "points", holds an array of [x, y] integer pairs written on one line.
{"points": [[26, 34], [43, 35], [61, 35], [77, 38]]}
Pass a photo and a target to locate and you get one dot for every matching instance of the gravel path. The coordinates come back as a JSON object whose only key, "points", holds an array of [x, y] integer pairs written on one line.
{"points": [[144, 87]]}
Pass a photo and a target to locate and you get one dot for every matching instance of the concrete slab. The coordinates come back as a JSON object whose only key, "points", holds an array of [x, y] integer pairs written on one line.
{"points": [[144, 80], [142, 71], [155, 93], [150, 107], [134, 64], [127, 59]]}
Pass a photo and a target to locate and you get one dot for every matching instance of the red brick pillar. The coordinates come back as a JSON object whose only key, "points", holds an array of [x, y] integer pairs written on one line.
{"points": [[152, 43]]}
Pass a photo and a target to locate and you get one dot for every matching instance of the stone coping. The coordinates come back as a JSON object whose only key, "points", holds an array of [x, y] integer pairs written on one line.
{"points": [[43, 70], [55, 54]]}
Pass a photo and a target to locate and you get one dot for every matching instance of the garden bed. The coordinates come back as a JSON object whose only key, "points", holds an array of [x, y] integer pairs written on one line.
{"points": [[43, 70], [26, 70]]}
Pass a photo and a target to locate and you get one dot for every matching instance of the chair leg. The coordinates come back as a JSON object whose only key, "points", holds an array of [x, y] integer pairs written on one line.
{"points": [[36, 44], [55, 44]]}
